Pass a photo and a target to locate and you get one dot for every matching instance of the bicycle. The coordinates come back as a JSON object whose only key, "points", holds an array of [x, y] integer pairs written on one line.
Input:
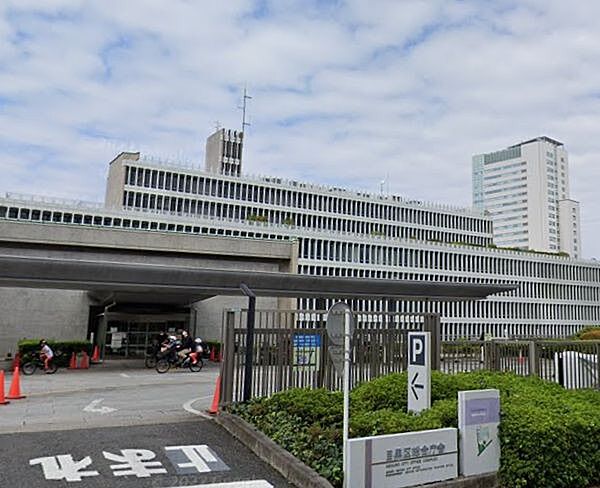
{"points": [[36, 363], [151, 356]]}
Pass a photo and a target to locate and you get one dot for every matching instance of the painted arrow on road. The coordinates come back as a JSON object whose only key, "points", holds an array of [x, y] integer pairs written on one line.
{"points": [[93, 407], [414, 386]]}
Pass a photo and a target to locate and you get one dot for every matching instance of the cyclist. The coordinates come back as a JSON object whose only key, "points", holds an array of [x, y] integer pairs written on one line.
{"points": [[46, 354]]}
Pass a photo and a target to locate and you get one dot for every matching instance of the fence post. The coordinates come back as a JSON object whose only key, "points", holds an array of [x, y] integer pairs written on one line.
{"points": [[432, 324], [598, 365], [533, 358], [227, 362]]}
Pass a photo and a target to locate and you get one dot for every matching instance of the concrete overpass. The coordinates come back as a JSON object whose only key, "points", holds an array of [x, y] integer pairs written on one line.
{"points": [[69, 311], [127, 267]]}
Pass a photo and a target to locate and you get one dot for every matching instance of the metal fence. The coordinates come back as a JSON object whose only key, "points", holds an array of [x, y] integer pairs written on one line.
{"points": [[291, 349], [573, 364]]}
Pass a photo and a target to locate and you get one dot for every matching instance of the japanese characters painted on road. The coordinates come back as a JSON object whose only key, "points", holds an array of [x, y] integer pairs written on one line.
{"points": [[399, 460], [336, 317], [306, 352], [478, 420], [141, 463], [419, 371]]}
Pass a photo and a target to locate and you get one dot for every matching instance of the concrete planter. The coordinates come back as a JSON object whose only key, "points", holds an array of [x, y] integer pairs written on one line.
{"points": [[299, 474]]}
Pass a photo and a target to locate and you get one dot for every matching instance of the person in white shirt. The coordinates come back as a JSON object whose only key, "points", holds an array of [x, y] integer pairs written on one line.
{"points": [[46, 353]]}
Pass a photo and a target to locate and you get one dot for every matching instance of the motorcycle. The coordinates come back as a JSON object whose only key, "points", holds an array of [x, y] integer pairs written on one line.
{"points": [[168, 359]]}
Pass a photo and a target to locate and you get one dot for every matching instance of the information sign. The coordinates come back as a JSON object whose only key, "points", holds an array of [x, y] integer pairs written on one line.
{"points": [[306, 352], [419, 371], [400, 460], [478, 421]]}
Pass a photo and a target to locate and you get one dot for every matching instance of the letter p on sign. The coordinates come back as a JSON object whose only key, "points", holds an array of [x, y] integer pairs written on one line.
{"points": [[417, 349]]}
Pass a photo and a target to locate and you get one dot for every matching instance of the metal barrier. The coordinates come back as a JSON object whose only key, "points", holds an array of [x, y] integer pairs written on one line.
{"points": [[291, 349], [573, 364]]}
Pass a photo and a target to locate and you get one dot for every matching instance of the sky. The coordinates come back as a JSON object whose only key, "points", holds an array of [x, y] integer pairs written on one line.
{"points": [[349, 93]]}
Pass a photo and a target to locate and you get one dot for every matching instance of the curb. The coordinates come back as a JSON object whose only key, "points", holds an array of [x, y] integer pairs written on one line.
{"points": [[480, 481], [291, 468]]}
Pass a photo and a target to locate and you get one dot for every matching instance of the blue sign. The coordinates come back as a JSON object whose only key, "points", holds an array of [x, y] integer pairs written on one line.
{"points": [[307, 340]]}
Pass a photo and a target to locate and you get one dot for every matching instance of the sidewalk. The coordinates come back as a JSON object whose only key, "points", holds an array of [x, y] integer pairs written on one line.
{"points": [[118, 363]]}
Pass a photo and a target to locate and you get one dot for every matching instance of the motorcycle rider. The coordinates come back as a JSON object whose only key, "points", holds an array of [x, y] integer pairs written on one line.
{"points": [[187, 345]]}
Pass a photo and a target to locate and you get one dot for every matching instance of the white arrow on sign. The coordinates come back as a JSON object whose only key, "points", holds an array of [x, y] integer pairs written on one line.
{"points": [[93, 407], [414, 385]]}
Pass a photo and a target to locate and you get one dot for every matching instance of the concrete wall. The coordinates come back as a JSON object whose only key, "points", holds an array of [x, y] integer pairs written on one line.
{"points": [[116, 180], [209, 313], [54, 314]]}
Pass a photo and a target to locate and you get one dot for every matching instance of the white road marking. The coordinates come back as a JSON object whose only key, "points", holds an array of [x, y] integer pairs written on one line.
{"points": [[125, 375], [233, 484], [93, 407], [188, 407]]}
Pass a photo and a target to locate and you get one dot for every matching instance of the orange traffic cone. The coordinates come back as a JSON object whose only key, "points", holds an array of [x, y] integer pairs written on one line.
{"points": [[214, 408], [3, 401], [85, 361], [15, 387], [73, 361], [96, 355], [212, 354]]}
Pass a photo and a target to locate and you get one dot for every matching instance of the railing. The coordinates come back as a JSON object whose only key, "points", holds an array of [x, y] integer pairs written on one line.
{"points": [[291, 349], [573, 364]]}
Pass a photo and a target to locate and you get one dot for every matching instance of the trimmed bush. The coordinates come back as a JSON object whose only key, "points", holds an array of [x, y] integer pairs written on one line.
{"points": [[550, 437], [62, 349]]}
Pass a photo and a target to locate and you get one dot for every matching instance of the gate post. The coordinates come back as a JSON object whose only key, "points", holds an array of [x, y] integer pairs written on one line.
{"points": [[533, 360], [432, 324], [249, 342], [227, 362]]}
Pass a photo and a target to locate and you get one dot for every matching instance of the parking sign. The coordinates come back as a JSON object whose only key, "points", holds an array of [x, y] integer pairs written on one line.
{"points": [[419, 371]]}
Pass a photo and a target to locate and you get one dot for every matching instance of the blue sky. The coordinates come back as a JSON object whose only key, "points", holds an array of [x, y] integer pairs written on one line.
{"points": [[343, 92]]}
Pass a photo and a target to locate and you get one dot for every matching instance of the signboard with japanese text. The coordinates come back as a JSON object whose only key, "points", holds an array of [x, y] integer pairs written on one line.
{"points": [[117, 338], [419, 371], [478, 421], [306, 352], [401, 460]]}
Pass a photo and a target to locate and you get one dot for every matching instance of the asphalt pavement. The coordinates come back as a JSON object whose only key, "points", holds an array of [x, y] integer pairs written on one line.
{"points": [[121, 425], [197, 453]]}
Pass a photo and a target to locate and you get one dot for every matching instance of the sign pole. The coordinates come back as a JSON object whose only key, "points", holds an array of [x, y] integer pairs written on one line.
{"points": [[346, 393]]}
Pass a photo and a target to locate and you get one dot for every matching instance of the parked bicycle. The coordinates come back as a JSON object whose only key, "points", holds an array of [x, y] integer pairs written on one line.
{"points": [[36, 363]]}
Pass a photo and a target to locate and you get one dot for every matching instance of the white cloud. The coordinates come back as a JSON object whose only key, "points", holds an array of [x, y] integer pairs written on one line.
{"points": [[344, 92]]}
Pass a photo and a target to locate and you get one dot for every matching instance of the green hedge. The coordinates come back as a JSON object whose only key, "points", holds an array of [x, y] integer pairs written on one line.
{"points": [[62, 349], [550, 437]]}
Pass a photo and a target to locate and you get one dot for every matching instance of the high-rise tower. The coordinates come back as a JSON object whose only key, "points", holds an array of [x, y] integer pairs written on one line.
{"points": [[525, 189]]}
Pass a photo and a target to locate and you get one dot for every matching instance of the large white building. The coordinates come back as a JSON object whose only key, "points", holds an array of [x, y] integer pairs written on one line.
{"points": [[342, 232], [525, 190]]}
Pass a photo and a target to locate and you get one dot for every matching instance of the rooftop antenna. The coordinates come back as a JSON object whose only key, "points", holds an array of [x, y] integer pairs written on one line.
{"points": [[245, 98]]}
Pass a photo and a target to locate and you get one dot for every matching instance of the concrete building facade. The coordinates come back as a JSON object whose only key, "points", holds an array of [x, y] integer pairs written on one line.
{"points": [[525, 190]]}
